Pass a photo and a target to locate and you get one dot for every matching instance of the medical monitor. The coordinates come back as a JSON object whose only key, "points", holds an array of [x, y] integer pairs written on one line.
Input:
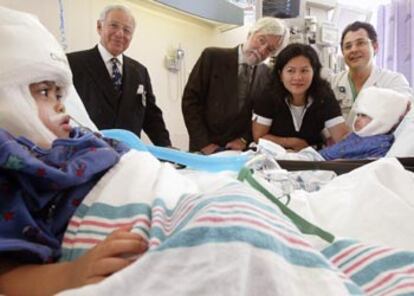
{"points": [[281, 8]]}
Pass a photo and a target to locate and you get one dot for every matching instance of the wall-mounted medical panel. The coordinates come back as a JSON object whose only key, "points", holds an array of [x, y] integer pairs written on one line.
{"points": [[218, 11]]}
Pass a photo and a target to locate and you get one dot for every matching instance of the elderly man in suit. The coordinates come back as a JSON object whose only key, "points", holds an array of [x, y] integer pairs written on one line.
{"points": [[116, 89], [217, 100]]}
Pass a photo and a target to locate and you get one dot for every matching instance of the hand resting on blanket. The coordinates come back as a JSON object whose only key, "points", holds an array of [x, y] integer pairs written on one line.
{"points": [[104, 259]]}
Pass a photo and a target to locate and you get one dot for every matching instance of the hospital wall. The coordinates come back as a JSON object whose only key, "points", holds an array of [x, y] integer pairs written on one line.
{"points": [[159, 31]]}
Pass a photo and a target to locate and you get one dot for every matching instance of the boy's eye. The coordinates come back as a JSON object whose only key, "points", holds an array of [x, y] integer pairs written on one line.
{"points": [[44, 92]]}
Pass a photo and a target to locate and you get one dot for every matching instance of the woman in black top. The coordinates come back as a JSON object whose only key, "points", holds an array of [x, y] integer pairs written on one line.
{"points": [[298, 104]]}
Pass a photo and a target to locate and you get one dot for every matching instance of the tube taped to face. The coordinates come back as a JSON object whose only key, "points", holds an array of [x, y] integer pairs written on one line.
{"points": [[384, 106], [29, 54]]}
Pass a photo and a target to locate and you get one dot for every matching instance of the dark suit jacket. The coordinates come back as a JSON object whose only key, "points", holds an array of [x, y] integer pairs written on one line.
{"points": [[108, 109], [210, 99]]}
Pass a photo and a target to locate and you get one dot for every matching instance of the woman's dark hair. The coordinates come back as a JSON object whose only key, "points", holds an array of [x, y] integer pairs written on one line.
{"points": [[355, 26], [319, 88]]}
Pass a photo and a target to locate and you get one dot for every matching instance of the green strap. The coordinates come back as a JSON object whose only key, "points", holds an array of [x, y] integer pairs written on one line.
{"points": [[303, 225]]}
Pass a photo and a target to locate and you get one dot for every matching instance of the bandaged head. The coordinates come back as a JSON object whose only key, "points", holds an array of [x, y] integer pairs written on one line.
{"points": [[29, 54], [384, 106]]}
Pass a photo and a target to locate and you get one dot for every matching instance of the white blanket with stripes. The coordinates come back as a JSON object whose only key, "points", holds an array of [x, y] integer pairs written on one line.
{"points": [[220, 237]]}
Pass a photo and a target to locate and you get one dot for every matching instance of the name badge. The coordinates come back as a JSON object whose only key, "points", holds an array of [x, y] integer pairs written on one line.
{"points": [[141, 91], [343, 98]]}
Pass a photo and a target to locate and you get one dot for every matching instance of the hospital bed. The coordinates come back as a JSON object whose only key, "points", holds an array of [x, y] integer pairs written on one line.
{"points": [[210, 234]]}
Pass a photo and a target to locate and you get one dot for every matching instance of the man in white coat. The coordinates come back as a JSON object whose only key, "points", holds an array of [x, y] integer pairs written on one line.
{"points": [[359, 45]]}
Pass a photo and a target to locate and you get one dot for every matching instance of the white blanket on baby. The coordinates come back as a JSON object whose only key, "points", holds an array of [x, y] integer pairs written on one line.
{"points": [[212, 235], [227, 240]]}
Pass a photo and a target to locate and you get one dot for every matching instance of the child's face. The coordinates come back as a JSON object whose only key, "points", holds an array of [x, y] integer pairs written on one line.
{"points": [[361, 121], [51, 110]]}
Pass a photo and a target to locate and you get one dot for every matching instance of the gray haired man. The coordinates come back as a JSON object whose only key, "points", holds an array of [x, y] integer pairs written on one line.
{"points": [[218, 97], [116, 89]]}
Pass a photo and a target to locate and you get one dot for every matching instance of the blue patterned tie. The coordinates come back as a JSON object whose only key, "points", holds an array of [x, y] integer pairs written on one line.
{"points": [[116, 75]]}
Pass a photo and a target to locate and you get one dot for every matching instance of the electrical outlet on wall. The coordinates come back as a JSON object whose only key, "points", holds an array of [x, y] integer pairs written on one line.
{"points": [[171, 63], [173, 59]]}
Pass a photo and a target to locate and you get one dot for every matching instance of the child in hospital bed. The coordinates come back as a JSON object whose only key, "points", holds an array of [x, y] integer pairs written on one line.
{"points": [[379, 111], [231, 241], [46, 168]]}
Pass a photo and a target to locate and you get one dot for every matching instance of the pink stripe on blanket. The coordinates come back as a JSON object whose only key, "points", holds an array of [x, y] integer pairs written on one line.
{"points": [[90, 222], [92, 241], [365, 259], [396, 288], [290, 239], [168, 224], [387, 278], [345, 253]]}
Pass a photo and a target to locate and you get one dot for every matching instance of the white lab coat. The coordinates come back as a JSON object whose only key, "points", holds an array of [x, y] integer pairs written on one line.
{"points": [[379, 77]]}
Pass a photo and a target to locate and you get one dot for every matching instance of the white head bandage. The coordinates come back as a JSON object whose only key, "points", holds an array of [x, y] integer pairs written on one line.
{"points": [[384, 106], [28, 54]]}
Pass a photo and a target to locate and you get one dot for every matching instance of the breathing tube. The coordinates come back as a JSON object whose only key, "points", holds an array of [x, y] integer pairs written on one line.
{"points": [[210, 163]]}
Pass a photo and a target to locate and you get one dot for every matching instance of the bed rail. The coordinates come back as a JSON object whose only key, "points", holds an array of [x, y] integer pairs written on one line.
{"points": [[338, 166]]}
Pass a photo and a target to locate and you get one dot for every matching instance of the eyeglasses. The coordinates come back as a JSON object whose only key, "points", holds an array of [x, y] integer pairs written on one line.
{"points": [[359, 43]]}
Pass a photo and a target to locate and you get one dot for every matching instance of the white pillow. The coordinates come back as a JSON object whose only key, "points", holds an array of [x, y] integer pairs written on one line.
{"points": [[404, 137], [76, 109]]}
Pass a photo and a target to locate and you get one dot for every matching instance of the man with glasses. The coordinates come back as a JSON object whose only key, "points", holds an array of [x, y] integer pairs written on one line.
{"points": [[359, 45], [217, 100], [116, 89]]}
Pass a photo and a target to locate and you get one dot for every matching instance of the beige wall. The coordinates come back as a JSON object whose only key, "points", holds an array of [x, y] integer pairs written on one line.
{"points": [[159, 30]]}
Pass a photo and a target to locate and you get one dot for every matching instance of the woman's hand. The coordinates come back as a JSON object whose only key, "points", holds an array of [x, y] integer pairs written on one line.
{"points": [[296, 144], [289, 143]]}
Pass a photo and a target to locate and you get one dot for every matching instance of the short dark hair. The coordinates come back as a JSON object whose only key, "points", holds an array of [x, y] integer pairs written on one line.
{"points": [[355, 26], [319, 88]]}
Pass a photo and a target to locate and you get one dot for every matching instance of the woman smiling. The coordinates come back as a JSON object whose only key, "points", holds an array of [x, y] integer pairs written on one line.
{"points": [[298, 104]]}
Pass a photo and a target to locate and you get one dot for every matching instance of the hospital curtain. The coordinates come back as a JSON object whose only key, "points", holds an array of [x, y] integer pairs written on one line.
{"points": [[395, 29]]}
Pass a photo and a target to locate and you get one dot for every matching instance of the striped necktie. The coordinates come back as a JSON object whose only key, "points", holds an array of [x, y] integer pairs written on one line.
{"points": [[116, 75]]}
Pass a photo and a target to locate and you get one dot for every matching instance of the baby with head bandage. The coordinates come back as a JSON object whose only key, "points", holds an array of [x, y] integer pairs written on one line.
{"points": [[378, 111], [35, 81]]}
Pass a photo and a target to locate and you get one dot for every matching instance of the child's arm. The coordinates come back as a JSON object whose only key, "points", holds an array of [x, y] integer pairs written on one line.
{"points": [[338, 132], [97, 264]]}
